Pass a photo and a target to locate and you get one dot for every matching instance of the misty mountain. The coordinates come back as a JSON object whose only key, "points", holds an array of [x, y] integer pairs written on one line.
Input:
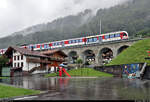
{"points": [[132, 16], [65, 25]]}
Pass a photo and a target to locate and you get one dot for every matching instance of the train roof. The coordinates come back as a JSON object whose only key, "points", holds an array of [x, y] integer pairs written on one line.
{"points": [[106, 34]]}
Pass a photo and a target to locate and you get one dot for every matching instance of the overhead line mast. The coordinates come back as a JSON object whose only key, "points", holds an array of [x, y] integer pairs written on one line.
{"points": [[100, 23]]}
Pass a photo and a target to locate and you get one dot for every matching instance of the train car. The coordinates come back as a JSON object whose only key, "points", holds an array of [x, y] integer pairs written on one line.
{"points": [[56, 44], [66, 43], [75, 41], [45, 46], [42, 46], [113, 36], [92, 39], [121, 35]]}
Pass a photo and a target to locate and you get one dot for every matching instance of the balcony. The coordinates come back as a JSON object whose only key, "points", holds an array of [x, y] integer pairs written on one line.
{"points": [[33, 60]]}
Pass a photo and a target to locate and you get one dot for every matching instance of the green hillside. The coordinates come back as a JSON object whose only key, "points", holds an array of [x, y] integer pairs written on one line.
{"points": [[134, 54]]}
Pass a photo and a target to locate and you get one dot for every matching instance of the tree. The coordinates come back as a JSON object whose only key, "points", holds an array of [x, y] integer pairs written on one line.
{"points": [[79, 62], [3, 61]]}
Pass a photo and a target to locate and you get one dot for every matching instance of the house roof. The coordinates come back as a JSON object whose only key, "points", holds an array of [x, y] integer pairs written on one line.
{"points": [[24, 51], [50, 52]]}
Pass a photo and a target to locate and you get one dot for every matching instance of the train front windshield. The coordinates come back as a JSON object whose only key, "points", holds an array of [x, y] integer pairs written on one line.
{"points": [[124, 34]]}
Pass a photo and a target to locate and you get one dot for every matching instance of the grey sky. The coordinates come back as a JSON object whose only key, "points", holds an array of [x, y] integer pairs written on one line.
{"points": [[16, 15]]}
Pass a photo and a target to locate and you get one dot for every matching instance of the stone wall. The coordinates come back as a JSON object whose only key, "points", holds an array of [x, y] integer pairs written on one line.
{"points": [[115, 70], [118, 70], [147, 73]]}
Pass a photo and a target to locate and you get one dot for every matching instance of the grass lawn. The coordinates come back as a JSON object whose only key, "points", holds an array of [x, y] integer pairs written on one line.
{"points": [[4, 77], [134, 54], [86, 72], [8, 91]]}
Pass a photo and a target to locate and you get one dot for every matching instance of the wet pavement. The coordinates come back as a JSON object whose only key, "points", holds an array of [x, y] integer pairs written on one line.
{"points": [[78, 88]]}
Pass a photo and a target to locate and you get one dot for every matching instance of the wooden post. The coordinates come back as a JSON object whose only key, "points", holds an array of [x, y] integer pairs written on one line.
{"points": [[121, 72]]}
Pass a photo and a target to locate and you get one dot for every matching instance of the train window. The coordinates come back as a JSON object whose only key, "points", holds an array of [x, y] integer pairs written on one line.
{"points": [[40, 46], [117, 35], [54, 44], [34, 46], [106, 36], [100, 38], [74, 41], [45, 46], [71, 41], [95, 39], [90, 40], [112, 36], [124, 34], [80, 40]]}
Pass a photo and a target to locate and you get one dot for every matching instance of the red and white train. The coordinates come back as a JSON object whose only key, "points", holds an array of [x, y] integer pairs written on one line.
{"points": [[113, 36]]}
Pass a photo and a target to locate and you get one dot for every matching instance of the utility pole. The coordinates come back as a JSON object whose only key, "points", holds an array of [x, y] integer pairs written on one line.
{"points": [[100, 23]]}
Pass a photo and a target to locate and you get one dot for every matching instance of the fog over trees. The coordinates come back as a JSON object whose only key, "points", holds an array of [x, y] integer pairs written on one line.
{"points": [[132, 16]]}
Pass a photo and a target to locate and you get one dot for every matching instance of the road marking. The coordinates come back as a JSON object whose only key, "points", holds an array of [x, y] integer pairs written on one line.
{"points": [[25, 98]]}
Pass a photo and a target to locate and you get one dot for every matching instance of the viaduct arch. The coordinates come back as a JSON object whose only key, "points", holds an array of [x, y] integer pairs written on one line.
{"points": [[97, 54]]}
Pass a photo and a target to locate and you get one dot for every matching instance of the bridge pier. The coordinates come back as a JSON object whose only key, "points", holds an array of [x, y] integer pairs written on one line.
{"points": [[97, 49]]}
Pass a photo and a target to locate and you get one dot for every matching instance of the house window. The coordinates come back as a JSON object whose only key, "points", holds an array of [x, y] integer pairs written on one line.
{"points": [[14, 64], [18, 57], [14, 57], [18, 64], [21, 64], [21, 57]]}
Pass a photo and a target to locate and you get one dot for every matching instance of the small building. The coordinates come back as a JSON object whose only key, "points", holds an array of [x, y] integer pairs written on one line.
{"points": [[24, 61], [57, 57]]}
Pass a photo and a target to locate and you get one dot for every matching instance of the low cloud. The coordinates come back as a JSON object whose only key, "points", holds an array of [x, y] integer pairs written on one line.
{"points": [[19, 14]]}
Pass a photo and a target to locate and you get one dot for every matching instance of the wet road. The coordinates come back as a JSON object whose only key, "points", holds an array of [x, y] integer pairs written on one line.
{"points": [[84, 88]]}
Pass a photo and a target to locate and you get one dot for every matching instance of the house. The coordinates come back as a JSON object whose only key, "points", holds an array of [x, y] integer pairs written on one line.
{"points": [[57, 57], [24, 61]]}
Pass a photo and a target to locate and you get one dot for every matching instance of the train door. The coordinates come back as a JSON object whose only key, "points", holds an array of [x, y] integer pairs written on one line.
{"points": [[84, 40], [100, 39], [121, 35], [63, 44]]}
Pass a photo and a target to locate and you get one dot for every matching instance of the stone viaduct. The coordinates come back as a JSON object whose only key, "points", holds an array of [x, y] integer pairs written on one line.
{"points": [[98, 49]]}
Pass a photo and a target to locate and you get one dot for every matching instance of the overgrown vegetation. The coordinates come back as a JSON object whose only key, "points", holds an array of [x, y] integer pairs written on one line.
{"points": [[134, 54], [8, 92], [86, 72]]}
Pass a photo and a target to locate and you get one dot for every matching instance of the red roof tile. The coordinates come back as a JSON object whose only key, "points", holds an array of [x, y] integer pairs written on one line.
{"points": [[50, 52]]}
